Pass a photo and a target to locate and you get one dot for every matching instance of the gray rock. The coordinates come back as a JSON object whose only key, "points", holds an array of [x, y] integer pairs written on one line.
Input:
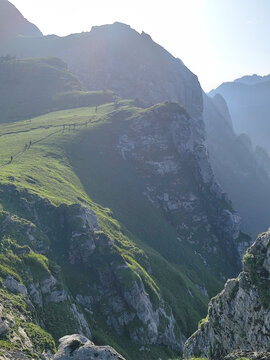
{"points": [[48, 284], [57, 296], [239, 317], [167, 141], [81, 321], [35, 294], [78, 347], [260, 355], [14, 285], [3, 327]]}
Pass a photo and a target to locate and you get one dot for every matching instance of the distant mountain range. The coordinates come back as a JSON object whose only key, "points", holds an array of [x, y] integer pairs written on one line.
{"points": [[249, 105], [241, 168]]}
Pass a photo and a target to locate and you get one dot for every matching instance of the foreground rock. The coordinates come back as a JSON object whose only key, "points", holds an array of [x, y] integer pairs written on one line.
{"points": [[249, 355], [78, 347], [239, 317]]}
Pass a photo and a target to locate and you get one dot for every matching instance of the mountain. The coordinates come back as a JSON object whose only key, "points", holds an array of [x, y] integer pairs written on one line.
{"points": [[112, 223], [88, 241], [242, 171], [248, 102], [252, 79], [118, 58], [13, 24], [238, 318], [105, 58], [31, 87]]}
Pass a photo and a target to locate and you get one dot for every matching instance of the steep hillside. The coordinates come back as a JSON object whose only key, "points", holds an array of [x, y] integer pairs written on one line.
{"points": [[89, 213], [104, 58], [248, 102], [36, 86], [239, 168], [55, 197], [238, 318]]}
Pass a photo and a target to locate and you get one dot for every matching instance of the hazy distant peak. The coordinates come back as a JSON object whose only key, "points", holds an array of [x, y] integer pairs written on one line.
{"points": [[12, 22], [222, 106], [252, 79], [114, 26], [119, 28], [146, 36]]}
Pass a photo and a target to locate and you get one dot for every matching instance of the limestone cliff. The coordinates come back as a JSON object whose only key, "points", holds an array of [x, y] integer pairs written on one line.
{"points": [[239, 317], [169, 146], [129, 306]]}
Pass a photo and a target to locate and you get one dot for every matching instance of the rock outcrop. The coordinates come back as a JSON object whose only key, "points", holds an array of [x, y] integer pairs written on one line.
{"points": [[170, 146], [128, 307], [78, 347], [239, 317], [250, 355]]}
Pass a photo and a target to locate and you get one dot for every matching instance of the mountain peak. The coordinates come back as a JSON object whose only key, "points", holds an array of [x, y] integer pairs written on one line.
{"points": [[12, 22]]}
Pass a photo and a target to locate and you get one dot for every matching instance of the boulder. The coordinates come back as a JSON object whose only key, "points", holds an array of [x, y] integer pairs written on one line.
{"points": [[78, 347]]}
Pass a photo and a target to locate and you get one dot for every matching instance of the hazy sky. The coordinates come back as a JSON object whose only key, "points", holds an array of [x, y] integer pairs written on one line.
{"points": [[219, 40]]}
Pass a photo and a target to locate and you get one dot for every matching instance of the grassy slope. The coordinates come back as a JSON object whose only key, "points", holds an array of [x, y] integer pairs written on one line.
{"points": [[31, 87], [73, 166]]}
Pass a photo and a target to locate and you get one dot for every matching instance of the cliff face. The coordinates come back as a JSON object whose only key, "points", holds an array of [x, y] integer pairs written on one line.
{"points": [[239, 317], [127, 301], [239, 167], [248, 102], [169, 146]]}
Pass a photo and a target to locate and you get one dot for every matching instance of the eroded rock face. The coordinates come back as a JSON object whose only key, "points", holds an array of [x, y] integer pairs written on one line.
{"points": [[14, 286], [127, 306], [78, 347], [239, 317], [169, 145], [260, 355]]}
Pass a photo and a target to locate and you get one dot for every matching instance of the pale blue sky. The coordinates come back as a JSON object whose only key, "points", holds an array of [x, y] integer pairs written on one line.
{"points": [[219, 40]]}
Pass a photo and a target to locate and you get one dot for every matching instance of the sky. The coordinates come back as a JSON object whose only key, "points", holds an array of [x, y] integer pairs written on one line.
{"points": [[218, 40]]}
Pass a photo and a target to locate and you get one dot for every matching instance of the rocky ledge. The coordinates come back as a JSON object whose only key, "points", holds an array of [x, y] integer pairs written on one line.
{"points": [[248, 355], [78, 347], [239, 317]]}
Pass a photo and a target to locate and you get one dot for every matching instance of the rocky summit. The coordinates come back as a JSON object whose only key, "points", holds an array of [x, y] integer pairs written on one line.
{"points": [[239, 317]]}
